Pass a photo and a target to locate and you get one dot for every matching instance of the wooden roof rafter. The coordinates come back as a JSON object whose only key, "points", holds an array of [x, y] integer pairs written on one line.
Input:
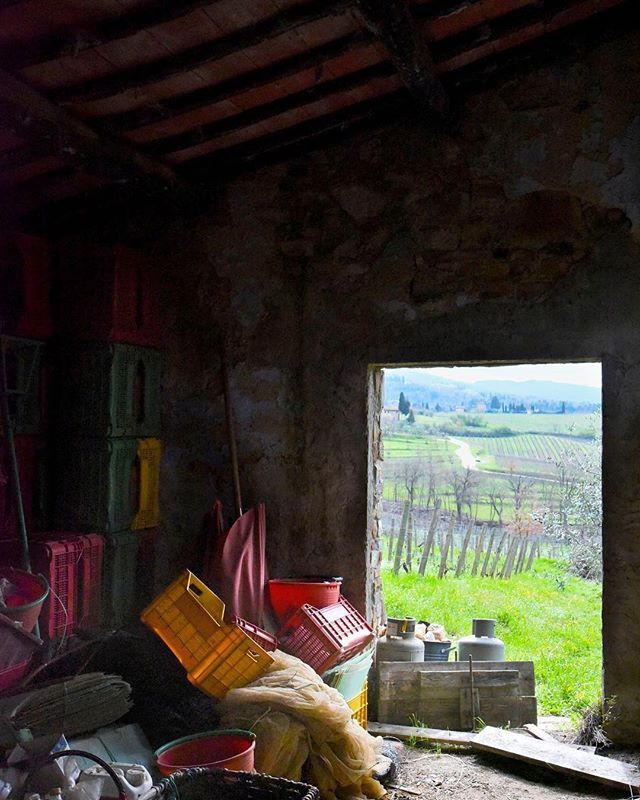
{"points": [[193, 57]]}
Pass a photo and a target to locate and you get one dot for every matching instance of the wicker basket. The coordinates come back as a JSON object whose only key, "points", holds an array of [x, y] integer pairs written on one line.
{"points": [[220, 784]]}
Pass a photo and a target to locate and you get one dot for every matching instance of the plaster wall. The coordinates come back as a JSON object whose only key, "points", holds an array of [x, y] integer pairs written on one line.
{"points": [[516, 238]]}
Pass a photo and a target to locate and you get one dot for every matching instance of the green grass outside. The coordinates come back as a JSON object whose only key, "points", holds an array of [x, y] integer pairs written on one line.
{"points": [[543, 616]]}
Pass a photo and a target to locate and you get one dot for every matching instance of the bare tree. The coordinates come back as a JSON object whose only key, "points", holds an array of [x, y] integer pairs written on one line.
{"points": [[521, 488], [496, 503], [462, 484]]}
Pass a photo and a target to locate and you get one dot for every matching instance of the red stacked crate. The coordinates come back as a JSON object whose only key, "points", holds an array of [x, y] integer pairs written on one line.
{"points": [[58, 561], [108, 294], [26, 286]]}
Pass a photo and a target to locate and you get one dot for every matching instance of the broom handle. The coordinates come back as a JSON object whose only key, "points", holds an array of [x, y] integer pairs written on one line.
{"points": [[228, 412]]}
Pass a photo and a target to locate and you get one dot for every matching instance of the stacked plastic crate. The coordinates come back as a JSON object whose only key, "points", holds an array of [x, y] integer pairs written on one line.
{"points": [[25, 327], [108, 421]]}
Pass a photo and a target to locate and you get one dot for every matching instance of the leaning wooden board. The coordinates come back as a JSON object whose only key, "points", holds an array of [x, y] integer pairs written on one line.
{"points": [[439, 693], [558, 757]]}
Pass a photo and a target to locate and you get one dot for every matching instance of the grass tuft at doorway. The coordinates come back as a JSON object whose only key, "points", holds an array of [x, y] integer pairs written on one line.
{"points": [[544, 615]]}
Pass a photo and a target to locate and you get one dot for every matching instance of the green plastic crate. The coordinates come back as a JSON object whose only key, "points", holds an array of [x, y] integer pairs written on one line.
{"points": [[121, 602], [96, 487], [109, 389], [25, 365]]}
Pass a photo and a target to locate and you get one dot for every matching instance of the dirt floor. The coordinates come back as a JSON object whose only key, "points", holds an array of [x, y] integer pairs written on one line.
{"points": [[429, 773]]}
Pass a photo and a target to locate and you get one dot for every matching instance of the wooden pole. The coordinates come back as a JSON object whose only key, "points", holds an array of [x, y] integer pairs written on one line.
{"points": [[228, 412]]}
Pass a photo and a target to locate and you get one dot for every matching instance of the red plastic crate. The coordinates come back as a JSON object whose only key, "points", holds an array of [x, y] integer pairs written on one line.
{"points": [[266, 640], [58, 560], [32, 468], [324, 637], [28, 284], [108, 293], [90, 581]]}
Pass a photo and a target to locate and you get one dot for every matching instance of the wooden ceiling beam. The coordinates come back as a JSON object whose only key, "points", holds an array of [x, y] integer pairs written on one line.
{"points": [[230, 158], [391, 22], [71, 41], [246, 82], [49, 130], [159, 69], [213, 130]]}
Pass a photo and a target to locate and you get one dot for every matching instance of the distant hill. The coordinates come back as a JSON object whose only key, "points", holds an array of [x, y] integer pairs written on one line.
{"points": [[422, 387], [541, 390]]}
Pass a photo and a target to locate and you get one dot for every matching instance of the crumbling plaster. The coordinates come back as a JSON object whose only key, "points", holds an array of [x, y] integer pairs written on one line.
{"points": [[515, 238]]}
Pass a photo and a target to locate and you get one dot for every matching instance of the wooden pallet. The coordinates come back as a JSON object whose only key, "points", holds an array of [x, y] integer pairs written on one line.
{"points": [[446, 694]]}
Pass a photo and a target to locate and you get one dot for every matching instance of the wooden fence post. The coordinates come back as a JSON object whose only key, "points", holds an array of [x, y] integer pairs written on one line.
{"points": [[485, 565], [522, 555], [511, 554], [496, 558], [401, 534], [392, 533], [445, 549], [463, 552], [532, 555], [428, 542], [478, 553], [410, 538]]}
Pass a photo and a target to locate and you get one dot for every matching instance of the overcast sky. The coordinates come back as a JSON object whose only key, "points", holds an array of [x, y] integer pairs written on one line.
{"points": [[582, 374]]}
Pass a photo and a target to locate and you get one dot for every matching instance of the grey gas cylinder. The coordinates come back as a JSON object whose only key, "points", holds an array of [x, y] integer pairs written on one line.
{"points": [[482, 645], [400, 643]]}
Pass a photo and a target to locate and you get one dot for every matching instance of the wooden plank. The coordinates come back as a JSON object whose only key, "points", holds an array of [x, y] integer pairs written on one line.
{"points": [[407, 673], [432, 735], [459, 679], [545, 736], [558, 757]]}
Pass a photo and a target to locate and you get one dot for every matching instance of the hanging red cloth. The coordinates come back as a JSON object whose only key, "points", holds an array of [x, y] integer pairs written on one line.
{"points": [[236, 564]]}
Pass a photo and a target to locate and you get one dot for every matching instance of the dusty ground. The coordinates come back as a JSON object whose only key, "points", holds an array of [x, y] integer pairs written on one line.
{"points": [[449, 775]]}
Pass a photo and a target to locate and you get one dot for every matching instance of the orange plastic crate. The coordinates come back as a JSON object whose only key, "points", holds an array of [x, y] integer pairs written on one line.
{"points": [[358, 706], [187, 616], [234, 661]]}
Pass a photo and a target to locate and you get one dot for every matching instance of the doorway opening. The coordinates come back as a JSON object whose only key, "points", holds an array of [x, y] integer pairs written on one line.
{"points": [[489, 498]]}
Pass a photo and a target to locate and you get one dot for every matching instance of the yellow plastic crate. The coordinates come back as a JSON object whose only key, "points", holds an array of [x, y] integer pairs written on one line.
{"points": [[235, 661], [187, 616], [148, 506], [358, 706]]}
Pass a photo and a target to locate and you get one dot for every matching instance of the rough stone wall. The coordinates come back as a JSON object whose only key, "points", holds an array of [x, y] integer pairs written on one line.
{"points": [[514, 239]]}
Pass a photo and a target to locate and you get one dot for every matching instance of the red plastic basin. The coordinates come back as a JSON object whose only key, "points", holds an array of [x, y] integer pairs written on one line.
{"points": [[231, 749], [287, 595], [25, 603]]}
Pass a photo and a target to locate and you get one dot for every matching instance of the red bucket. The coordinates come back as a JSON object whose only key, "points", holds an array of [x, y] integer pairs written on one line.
{"points": [[24, 602], [288, 595], [231, 749]]}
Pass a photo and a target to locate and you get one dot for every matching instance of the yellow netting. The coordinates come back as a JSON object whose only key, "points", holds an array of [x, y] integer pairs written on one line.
{"points": [[304, 730]]}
